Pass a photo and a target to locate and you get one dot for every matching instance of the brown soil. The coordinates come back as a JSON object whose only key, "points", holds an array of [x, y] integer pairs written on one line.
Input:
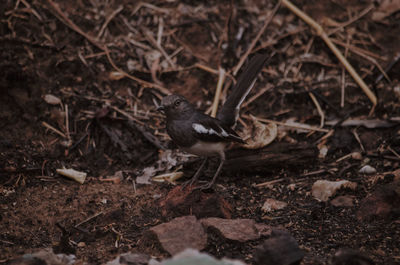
{"points": [[41, 55]]}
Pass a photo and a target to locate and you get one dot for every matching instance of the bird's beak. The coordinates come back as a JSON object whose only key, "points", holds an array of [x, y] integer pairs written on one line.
{"points": [[161, 108]]}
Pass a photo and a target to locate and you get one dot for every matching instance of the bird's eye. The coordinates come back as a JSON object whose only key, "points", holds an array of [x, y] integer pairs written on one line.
{"points": [[177, 103]]}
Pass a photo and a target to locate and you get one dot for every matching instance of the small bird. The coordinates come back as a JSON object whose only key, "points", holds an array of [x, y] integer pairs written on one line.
{"points": [[197, 133]]}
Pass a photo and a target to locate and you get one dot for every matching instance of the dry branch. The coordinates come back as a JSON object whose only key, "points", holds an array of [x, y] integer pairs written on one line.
{"points": [[69, 23], [332, 46]]}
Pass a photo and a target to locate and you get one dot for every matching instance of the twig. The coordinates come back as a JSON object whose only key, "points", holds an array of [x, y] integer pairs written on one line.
{"points": [[108, 20], [36, 14], [334, 49], [127, 115], [156, 8], [268, 183], [358, 139], [69, 23], [394, 152], [299, 126], [320, 112], [160, 30], [357, 50], [221, 80], [253, 43], [257, 95], [342, 94], [365, 54], [140, 81], [156, 45], [345, 24], [88, 219], [48, 126], [313, 173], [67, 122]]}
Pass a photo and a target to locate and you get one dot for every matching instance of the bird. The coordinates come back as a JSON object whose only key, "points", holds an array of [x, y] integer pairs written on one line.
{"points": [[197, 133]]}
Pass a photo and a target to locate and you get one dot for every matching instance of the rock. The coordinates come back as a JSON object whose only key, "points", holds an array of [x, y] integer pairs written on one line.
{"points": [[179, 234], [241, 230], [350, 257], [186, 201], [44, 257], [368, 170], [191, 256], [272, 204], [130, 259], [322, 190], [383, 203], [343, 201], [280, 249]]}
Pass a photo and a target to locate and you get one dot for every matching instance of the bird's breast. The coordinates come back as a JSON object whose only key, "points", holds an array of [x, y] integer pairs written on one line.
{"points": [[202, 148]]}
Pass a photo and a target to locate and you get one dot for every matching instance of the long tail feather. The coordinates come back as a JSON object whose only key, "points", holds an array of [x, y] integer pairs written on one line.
{"points": [[230, 110]]}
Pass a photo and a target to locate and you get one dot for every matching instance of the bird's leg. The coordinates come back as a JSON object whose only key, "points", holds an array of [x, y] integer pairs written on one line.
{"points": [[196, 175], [211, 183]]}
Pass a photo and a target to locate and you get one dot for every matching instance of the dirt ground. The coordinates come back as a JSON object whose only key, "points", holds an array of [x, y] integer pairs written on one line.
{"points": [[101, 121]]}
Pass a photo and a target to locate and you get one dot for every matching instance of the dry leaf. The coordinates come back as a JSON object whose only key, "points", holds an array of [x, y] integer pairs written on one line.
{"points": [[115, 75], [260, 134], [72, 174], [322, 190], [148, 172], [51, 99], [367, 169], [385, 9], [272, 204], [168, 177]]}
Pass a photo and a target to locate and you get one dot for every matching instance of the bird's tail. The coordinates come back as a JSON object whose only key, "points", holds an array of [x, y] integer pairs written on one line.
{"points": [[228, 114]]}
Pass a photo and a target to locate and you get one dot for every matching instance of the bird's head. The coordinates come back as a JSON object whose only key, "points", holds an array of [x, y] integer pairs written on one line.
{"points": [[176, 107]]}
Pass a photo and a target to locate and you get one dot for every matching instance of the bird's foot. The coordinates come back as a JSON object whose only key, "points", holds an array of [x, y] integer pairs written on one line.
{"points": [[188, 183], [206, 186]]}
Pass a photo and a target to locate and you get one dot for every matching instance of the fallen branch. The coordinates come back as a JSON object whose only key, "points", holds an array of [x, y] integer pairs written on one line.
{"points": [[69, 23], [253, 43], [334, 49]]}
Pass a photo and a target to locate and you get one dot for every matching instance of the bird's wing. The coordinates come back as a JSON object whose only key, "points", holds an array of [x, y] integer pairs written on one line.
{"points": [[210, 130], [229, 112]]}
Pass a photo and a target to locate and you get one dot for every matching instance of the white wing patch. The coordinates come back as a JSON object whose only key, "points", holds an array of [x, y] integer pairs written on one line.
{"points": [[199, 128]]}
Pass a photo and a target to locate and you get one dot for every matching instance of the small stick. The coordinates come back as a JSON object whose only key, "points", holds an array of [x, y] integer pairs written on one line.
{"points": [[365, 54], [358, 139], [253, 43], [358, 50], [212, 71], [221, 80], [160, 31], [345, 24], [299, 126], [32, 10], [346, 51], [159, 47], [313, 173], [268, 183], [320, 112], [393, 151], [140, 81], [48, 126], [67, 122], [88, 219], [334, 49], [259, 94], [108, 20], [69, 23], [130, 117]]}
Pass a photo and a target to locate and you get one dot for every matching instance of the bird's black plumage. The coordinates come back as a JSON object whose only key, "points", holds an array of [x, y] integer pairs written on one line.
{"points": [[200, 134]]}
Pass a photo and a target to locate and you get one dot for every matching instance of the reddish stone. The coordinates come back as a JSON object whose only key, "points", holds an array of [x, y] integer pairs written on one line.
{"points": [[383, 203], [187, 201], [179, 234], [241, 230]]}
